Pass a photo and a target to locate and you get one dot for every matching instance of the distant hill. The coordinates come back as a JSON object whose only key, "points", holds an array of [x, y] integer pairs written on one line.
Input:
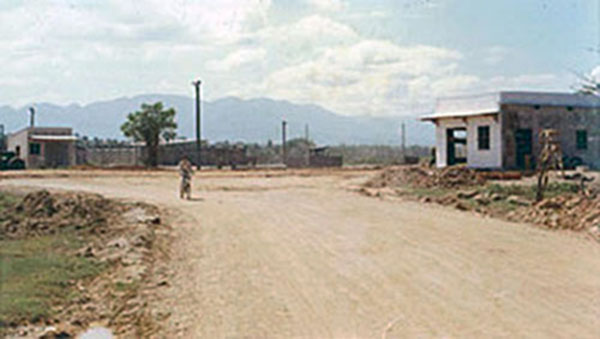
{"points": [[233, 119]]}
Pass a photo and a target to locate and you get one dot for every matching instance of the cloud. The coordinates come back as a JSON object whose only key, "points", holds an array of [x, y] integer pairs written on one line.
{"points": [[495, 55], [595, 73], [367, 77], [307, 34], [381, 77], [544, 81], [327, 5], [237, 59], [454, 84], [67, 44], [64, 50]]}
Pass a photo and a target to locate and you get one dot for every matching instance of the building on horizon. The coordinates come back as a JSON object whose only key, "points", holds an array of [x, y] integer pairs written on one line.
{"points": [[43, 147]]}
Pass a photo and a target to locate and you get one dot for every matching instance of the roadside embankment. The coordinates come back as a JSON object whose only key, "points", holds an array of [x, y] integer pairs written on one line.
{"points": [[74, 260], [564, 206]]}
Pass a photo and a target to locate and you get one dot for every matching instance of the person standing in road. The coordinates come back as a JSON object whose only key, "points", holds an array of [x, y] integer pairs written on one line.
{"points": [[185, 172]]}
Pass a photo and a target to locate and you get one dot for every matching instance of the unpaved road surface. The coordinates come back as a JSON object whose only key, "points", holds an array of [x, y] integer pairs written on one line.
{"points": [[272, 256]]}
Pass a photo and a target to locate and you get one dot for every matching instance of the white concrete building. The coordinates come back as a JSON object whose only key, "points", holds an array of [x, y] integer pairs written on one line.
{"points": [[500, 130]]}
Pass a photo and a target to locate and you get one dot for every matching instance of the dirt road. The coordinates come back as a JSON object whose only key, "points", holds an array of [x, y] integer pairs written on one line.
{"points": [[303, 256]]}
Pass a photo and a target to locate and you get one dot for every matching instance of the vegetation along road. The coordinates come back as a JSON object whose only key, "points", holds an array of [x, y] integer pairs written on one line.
{"points": [[299, 254]]}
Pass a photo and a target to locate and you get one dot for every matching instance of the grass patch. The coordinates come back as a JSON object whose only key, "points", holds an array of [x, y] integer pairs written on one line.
{"points": [[432, 192], [36, 273], [501, 207], [7, 201], [529, 191], [126, 287]]}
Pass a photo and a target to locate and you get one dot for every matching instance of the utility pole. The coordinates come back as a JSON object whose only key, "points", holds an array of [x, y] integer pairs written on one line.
{"points": [[283, 142], [197, 85], [2, 141], [307, 145], [31, 117], [403, 139], [306, 135]]}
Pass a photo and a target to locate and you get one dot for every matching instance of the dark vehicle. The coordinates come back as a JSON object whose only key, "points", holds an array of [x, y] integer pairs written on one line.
{"points": [[10, 161]]}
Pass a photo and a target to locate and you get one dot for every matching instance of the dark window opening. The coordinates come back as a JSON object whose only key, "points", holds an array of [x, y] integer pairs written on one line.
{"points": [[569, 108], [582, 139], [483, 137], [34, 148], [537, 106]]}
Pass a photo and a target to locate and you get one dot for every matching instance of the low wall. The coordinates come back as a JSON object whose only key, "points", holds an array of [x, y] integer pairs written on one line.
{"points": [[111, 156], [325, 161]]}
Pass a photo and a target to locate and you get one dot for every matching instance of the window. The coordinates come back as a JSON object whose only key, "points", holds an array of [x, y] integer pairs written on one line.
{"points": [[582, 139], [34, 148], [483, 137]]}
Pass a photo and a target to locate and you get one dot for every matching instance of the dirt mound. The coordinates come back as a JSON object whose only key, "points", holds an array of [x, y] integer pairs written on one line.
{"points": [[129, 240], [572, 212], [44, 213], [418, 176]]}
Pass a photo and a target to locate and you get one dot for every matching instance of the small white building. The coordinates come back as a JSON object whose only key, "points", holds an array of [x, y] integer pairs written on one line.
{"points": [[43, 147], [500, 130]]}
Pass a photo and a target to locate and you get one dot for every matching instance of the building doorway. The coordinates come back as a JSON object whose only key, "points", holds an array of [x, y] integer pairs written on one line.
{"points": [[456, 146], [523, 142]]}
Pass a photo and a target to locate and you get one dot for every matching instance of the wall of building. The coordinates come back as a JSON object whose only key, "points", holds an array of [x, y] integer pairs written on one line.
{"points": [[19, 139], [476, 158], [491, 158], [566, 121]]}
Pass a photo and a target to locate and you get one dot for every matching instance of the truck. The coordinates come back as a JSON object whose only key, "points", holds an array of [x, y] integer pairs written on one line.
{"points": [[10, 161]]}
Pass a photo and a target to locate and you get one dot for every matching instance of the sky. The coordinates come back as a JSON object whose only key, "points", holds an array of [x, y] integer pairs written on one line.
{"points": [[355, 57]]}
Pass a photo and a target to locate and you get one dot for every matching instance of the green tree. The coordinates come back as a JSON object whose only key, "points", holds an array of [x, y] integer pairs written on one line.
{"points": [[148, 126]]}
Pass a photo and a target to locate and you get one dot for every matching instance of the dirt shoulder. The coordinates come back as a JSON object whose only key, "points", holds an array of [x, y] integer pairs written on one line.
{"points": [[564, 207], [75, 260]]}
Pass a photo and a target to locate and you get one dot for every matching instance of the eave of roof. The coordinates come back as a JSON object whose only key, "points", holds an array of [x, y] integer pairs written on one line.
{"points": [[53, 137], [458, 115]]}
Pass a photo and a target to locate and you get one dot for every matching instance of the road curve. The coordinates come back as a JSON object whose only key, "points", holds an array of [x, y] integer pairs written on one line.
{"points": [[301, 256]]}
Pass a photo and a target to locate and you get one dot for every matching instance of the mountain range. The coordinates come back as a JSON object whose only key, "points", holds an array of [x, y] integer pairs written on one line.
{"points": [[232, 119]]}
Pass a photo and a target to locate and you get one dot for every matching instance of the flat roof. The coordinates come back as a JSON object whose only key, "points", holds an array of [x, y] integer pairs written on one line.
{"points": [[43, 128], [489, 103], [550, 99], [53, 137], [458, 115]]}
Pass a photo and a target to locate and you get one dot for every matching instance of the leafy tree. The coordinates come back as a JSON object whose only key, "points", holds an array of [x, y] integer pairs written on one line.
{"points": [[148, 126]]}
